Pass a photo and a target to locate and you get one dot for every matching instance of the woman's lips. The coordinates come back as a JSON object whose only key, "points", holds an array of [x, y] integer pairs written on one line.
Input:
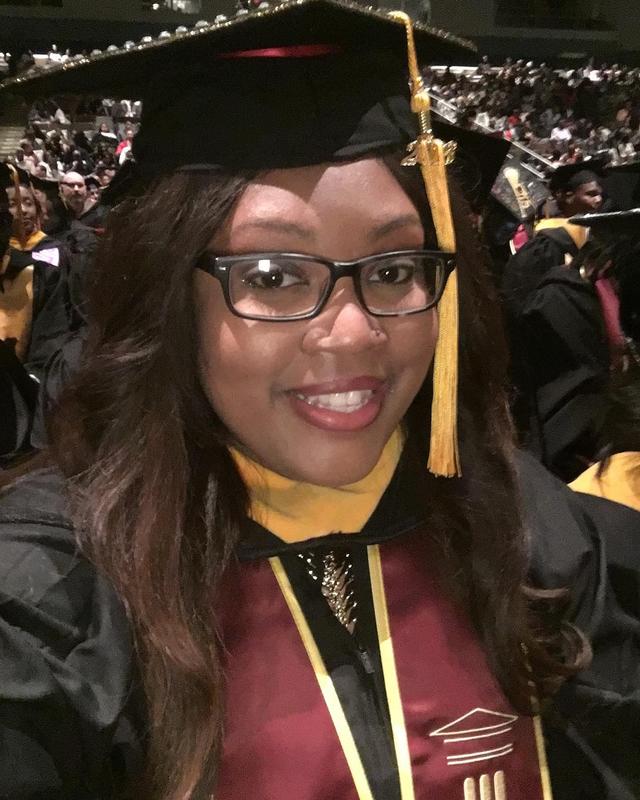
{"points": [[341, 405]]}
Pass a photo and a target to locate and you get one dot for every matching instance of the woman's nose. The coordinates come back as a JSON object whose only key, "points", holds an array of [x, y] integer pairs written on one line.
{"points": [[344, 324]]}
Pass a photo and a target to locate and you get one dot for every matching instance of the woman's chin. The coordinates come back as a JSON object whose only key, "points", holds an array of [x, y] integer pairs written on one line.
{"points": [[333, 468]]}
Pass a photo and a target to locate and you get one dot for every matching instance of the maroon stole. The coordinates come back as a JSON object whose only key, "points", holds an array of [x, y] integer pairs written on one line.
{"points": [[462, 740]]}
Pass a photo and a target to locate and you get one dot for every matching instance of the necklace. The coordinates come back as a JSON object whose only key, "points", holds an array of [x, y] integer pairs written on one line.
{"points": [[334, 578]]}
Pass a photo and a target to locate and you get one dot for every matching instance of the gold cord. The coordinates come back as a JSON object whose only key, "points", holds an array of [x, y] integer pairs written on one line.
{"points": [[432, 156]]}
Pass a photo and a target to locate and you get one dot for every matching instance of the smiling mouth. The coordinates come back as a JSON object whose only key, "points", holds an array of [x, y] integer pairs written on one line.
{"points": [[343, 405], [340, 402]]}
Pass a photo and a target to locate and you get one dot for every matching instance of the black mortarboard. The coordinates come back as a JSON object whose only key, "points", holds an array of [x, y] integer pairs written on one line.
{"points": [[8, 176], [301, 83], [5, 181], [91, 180], [49, 186], [622, 186], [619, 231], [6, 219], [571, 176], [479, 159], [612, 224], [519, 189]]}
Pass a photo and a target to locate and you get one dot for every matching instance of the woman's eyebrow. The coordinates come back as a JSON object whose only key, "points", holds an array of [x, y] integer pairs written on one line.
{"points": [[404, 221]]}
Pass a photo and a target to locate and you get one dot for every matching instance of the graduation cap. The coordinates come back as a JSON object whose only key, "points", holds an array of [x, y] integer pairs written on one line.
{"points": [[301, 83], [12, 176], [92, 181], [570, 177], [5, 175], [48, 186], [619, 232], [611, 225], [519, 189], [479, 159], [622, 187]]}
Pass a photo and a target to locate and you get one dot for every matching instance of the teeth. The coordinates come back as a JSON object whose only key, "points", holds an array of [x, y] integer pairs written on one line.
{"points": [[344, 402]]}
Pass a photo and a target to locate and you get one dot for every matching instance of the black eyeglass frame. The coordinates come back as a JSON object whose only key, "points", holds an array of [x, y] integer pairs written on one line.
{"points": [[220, 267]]}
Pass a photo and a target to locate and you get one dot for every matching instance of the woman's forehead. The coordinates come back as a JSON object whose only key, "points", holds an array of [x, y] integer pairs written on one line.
{"points": [[365, 186]]}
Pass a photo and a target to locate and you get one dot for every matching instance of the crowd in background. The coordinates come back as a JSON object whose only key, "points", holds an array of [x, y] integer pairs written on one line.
{"points": [[565, 116], [95, 146], [72, 153]]}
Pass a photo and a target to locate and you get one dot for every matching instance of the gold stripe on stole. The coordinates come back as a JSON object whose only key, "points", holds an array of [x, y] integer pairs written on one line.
{"points": [[326, 684], [545, 779], [543, 766], [398, 727]]}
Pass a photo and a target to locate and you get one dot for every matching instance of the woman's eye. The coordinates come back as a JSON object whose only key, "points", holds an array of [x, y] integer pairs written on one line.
{"points": [[394, 273], [272, 278]]}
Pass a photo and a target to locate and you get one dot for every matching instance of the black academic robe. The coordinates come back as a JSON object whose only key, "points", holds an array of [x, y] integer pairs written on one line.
{"points": [[526, 268], [19, 379], [58, 334], [561, 359], [69, 724]]}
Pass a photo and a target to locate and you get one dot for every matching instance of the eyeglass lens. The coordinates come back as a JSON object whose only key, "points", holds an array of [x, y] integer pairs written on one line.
{"points": [[285, 286]]}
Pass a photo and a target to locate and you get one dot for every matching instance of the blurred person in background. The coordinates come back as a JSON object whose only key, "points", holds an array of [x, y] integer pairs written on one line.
{"points": [[73, 192], [616, 476], [33, 308]]}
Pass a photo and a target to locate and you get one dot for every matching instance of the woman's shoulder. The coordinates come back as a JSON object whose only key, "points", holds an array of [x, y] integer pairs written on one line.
{"points": [[40, 564], [39, 496], [565, 538], [67, 661]]}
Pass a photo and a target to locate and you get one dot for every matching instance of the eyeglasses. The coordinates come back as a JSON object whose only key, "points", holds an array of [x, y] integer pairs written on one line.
{"points": [[282, 287]]}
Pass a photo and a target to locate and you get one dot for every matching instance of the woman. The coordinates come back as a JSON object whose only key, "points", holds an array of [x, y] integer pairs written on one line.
{"points": [[34, 264], [33, 312], [243, 454]]}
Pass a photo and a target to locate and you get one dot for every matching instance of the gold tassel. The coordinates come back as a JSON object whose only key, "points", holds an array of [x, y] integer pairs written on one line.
{"points": [[432, 156]]}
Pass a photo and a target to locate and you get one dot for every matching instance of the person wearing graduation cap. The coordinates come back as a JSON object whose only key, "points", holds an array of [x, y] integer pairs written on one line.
{"points": [[17, 389], [34, 311], [616, 475], [286, 459], [576, 189], [93, 190], [571, 339], [34, 265]]}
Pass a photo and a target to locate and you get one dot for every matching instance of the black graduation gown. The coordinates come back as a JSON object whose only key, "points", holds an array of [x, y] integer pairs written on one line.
{"points": [[65, 351], [68, 724], [57, 339], [591, 546], [49, 320], [562, 362], [526, 268]]}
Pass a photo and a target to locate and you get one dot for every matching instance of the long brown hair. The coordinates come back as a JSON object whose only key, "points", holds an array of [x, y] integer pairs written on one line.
{"points": [[159, 505]]}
